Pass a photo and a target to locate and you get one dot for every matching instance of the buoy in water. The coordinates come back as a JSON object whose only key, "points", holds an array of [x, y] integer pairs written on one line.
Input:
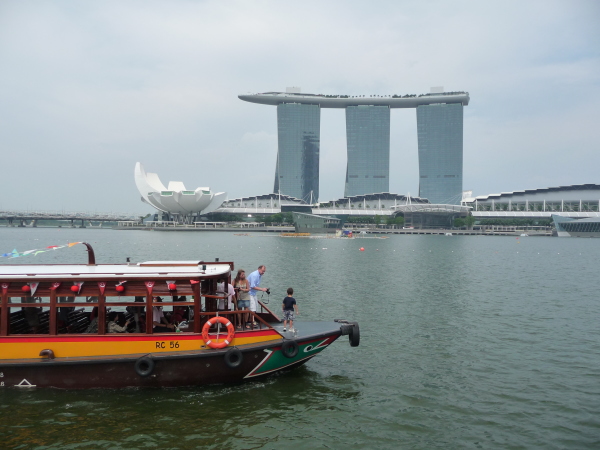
{"points": [[362, 249]]}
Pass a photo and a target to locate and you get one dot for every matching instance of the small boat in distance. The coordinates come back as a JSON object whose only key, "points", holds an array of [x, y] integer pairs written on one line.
{"points": [[55, 329]]}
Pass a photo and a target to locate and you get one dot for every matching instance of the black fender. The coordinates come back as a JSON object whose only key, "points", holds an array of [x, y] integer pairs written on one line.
{"points": [[144, 366], [289, 348], [354, 335], [233, 357]]}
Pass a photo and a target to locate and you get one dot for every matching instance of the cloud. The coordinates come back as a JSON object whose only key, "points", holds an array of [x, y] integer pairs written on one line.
{"points": [[89, 88]]}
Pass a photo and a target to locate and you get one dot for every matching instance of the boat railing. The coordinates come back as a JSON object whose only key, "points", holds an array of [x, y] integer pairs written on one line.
{"points": [[48, 320]]}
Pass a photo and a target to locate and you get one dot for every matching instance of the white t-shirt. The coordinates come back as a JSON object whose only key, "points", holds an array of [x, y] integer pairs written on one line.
{"points": [[157, 315], [230, 294]]}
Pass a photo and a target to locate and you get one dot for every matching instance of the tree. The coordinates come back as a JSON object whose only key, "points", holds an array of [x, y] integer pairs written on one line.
{"points": [[459, 222], [398, 220], [469, 222], [276, 218], [288, 217]]}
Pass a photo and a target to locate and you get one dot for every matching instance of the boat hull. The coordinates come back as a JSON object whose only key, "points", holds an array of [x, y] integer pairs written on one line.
{"points": [[168, 369]]}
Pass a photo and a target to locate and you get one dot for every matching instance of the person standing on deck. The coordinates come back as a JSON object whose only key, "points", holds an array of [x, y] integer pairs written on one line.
{"points": [[254, 281], [288, 307]]}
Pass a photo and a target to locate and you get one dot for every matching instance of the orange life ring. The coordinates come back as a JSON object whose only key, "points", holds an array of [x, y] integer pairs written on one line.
{"points": [[210, 323]]}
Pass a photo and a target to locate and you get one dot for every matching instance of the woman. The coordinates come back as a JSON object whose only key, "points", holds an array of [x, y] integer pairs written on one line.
{"points": [[113, 324], [242, 288]]}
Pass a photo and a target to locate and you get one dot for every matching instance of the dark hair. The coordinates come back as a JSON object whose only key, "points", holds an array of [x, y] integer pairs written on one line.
{"points": [[113, 315], [290, 291], [238, 277]]}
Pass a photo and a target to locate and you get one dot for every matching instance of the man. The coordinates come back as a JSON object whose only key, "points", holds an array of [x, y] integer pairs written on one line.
{"points": [[254, 281], [159, 321]]}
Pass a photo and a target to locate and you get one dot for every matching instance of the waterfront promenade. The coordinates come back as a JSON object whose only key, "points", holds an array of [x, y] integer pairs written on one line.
{"points": [[359, 229]]}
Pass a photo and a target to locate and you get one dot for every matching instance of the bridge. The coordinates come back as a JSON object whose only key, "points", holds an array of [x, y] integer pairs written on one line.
{"points": [[31, 218]]}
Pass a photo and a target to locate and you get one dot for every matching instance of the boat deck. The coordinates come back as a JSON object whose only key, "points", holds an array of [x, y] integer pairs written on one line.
{"points": [[304, 330]]}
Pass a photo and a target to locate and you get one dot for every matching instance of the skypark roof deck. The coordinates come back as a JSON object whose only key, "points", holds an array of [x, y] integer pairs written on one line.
{"points": [[343, 101]]}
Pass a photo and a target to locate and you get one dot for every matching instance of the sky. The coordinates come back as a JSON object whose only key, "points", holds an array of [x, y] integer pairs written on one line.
{"points": [[87, 89]]}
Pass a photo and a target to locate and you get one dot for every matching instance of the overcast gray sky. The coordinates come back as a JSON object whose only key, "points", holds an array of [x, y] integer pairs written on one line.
{"points": [[89, 88]]}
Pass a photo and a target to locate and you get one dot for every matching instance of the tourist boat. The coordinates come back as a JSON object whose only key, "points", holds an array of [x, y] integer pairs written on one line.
{"points": [[46, 309]]}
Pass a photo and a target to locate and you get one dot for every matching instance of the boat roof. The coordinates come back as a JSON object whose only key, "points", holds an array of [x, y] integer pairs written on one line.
{"points": [[144, 270]]}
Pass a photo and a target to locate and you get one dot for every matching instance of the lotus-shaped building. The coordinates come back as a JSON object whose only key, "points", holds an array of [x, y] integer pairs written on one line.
{"points": [[175, 199]]}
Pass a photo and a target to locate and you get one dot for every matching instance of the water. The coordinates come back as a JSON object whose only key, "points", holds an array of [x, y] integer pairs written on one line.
{"points": [[467, 342]]}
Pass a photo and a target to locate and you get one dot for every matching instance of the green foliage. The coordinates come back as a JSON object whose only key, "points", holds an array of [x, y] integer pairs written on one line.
{"points": [[399, 221], [286, 217], [459, 222], [276, 218], [469, 221], [360, 219]]}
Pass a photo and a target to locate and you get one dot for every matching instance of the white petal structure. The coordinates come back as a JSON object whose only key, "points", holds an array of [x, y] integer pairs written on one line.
{"points": [[175, 199]]}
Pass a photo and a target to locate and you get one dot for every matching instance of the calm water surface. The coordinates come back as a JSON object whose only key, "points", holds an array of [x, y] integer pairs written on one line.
{"points": [[467, 342]]}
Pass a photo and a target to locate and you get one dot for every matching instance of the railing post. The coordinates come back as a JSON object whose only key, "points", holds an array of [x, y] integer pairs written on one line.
{"points": [[4, 315], [197, 308], [52, 329], [101, 314]]}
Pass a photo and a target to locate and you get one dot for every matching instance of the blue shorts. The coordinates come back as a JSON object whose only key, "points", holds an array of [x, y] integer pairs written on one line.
{"points": [[243, 304], [288, 315]]}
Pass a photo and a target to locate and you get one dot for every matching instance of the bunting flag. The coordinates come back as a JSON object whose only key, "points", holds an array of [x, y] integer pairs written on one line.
{"points": [[101, 286], [33, 287], [36, 251], [5, 288], [55, 286], [79, 284], [149, 286]]}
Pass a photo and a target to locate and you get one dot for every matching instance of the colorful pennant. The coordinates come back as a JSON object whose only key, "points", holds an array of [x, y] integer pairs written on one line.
{"points": [[35, 252]]}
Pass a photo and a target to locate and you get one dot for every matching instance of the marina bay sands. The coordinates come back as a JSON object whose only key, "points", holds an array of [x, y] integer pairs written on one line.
{"points": [[439, 130]]}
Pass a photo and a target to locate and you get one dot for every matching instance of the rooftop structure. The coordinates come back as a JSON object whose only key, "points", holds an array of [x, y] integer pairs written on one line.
{"points": [[343, 101], [575, 191], [581, 200]]}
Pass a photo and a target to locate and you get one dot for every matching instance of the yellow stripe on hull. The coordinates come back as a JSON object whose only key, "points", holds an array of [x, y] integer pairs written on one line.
{"points": [[71, 347]]}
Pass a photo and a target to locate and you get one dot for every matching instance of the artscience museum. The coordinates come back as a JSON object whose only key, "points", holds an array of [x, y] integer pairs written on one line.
{"points": [[181, 204]]}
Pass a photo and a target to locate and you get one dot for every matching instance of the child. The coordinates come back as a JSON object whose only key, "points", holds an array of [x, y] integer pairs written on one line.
{"points": [[289, 305]]}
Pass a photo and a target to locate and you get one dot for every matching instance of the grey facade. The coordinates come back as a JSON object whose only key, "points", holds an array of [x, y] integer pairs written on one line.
{"points": [[368, 141], [568, 227], [312, 223], [440, 138], [440, 134], [299, 134]]}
